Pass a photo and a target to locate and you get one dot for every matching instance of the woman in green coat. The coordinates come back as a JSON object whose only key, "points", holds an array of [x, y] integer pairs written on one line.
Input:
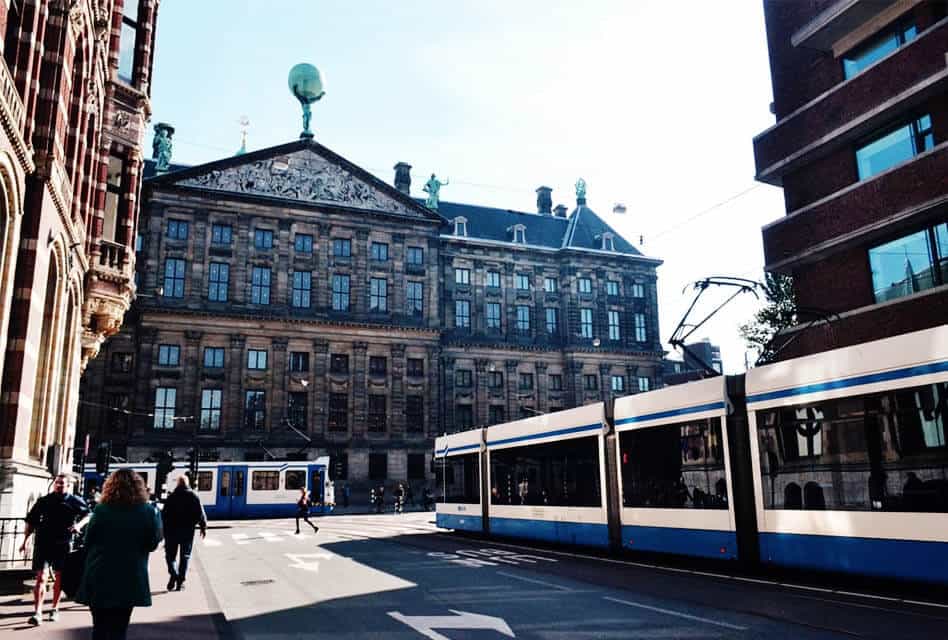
{"points": [[123, 530]]}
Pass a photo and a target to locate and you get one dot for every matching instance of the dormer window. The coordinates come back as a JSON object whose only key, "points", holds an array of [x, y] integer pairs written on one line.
{"points": [[460, 227], [608, 243], [519, 234]]}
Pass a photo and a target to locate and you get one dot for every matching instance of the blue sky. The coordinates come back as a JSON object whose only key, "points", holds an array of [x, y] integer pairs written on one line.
{"points": [[654, 104]]}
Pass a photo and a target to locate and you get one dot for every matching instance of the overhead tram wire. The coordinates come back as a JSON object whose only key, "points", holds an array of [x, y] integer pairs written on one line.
{"points": [[706, 211]]}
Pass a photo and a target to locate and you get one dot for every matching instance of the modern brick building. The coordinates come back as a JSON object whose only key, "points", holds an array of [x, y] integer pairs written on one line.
{"points": [[859, 147], [74, 99], [694, 363], [293, 304]]}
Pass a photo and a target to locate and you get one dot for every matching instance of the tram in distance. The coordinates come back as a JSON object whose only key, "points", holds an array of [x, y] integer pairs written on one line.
{"points": [[835, 461], [244, 489]]}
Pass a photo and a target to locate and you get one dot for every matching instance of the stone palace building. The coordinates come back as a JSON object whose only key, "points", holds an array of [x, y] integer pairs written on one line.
{"points": [[75, 80], [292, 305]]}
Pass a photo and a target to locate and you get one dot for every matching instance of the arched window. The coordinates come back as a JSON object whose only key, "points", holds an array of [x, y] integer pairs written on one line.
{"points": [[608, 243], [519, 233], [460, 227]]}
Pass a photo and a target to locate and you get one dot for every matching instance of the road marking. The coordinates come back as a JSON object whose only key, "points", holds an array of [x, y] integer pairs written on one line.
{"points": [[306, 562], [269, 536], [678, 614], [426, 625], [540, 582], [212, 542]]}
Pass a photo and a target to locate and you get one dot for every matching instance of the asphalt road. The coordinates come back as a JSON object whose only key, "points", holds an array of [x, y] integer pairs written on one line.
{"points": [[387, 576]]}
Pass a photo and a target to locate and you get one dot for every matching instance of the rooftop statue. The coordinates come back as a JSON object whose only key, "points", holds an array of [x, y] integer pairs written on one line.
{"points": [[306, 85], [161, 146], [580, 188], [433, 189]]}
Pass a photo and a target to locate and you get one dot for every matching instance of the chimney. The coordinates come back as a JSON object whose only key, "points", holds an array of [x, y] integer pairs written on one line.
{"points": [[403, 177], [560, 211], [544, 200], [619, 209]]}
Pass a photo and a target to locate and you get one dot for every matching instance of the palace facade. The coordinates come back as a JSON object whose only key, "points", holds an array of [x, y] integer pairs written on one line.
{"points": [[75, 79], [293, 305]]}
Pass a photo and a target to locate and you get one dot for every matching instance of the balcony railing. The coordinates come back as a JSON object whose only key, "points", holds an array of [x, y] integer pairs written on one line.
{"points": [[112, 255]]}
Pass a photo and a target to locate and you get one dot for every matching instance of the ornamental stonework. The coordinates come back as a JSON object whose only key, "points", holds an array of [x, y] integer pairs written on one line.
{"points": [[301, 176]]}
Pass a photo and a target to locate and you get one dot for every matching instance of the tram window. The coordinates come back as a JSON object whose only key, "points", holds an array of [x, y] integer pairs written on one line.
{"points": [[459, 479], [238, 484], [675, 466], [265, 480], [204, 480], [294, 480], [883, 451], [317, 487], [225, 484], [564, 474]]}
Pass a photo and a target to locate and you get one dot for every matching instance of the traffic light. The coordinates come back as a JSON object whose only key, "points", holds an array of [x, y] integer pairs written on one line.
{"points": [[103, 456], [165, 465], [193, 465]]}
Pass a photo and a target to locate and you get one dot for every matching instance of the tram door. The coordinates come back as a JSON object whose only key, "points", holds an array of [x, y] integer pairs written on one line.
{"points": [[231, 491], [317, 482]]}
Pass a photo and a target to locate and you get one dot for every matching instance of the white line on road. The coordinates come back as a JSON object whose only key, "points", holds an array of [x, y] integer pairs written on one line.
{"points": [[212, 542], [678, 614], [540, 582]]}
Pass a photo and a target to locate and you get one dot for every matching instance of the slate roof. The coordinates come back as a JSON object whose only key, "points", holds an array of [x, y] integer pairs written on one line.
{"points": [[586, 229], [148, 170]]}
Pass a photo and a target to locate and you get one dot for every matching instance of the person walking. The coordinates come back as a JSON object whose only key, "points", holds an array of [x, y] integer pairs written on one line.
{"points": [[302, 511], [182, 512], [54, 518], [124, 529], [399, 497]]}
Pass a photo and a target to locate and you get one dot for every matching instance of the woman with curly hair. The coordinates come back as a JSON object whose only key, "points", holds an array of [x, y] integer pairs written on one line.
{"points": [[123, 530]]}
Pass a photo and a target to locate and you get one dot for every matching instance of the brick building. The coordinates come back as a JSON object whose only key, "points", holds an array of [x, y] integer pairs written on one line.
{"points": [[859, 147], [74, 87], [288, 295]]}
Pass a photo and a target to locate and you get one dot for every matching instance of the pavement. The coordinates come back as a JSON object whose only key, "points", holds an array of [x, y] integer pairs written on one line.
{"points": [[397, 577]]}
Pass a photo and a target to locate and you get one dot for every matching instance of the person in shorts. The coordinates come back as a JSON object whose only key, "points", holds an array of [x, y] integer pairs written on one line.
{"points": [[54, 519]]}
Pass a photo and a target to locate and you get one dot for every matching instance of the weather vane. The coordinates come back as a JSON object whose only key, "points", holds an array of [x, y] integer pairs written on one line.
{"points": [[307, 85], [244, 122]]}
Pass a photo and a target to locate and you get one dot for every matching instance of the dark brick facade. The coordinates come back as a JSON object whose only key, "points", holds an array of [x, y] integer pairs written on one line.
{"points": [[834, 219], [374, 381]]}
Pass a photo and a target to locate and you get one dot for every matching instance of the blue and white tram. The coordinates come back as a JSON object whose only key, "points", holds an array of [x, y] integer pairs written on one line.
{"points": [[547, 479], [850, 458], [673, 461], [247, 489], [459, 480]]}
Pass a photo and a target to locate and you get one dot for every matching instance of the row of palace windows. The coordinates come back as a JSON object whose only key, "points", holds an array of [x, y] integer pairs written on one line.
{"points": [[522, 282], [223, 235], [464, 378], [169, 355], [297, 412], [518, 234], [261, 282], [492, 320]]}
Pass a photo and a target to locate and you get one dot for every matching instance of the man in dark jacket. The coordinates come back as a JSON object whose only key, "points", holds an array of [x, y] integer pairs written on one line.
{"points": [[181, 513], [54, 518]]}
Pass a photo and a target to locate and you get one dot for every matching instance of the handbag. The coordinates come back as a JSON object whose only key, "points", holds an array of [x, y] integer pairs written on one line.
{"points": [[73, 568]]}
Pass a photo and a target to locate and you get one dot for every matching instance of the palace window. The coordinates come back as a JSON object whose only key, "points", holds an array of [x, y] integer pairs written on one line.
{"points": [[213, 357], [338, 412], [339, 363], [552, 320], [462, 276], [210, 409], [495, 414], [462, 314], [463, 417], [640, 333], [585, 285], [608, 242], [342, 247], [613, 325], [414, 414], [297, 409], [415, 256], [263, 239], [550, 285], [618, 383], [218, 281], [590, 382], [519, 234], [169, 355], [638, 290], [174, 278], [378, 365], [462, 378], [221, 234], [379, 251], [522, 281], [612, 288], [523, 318], [460, 226], [526, 382], [255, 409], [165, 400], [377, 412], [299, 361], [495, 380], [492, 315], [302, 286], [586, 323], [260, 286], [303, 243], [177, 230], [643, 383], [378, 294], [414, 295], [415, 368], [895, 146], [378, 466], [556, 382], [340, 292], [493, 279], [257, 359]]}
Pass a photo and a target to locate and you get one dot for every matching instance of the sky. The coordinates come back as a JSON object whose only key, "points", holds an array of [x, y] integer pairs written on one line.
{"points": [[653, 103]]}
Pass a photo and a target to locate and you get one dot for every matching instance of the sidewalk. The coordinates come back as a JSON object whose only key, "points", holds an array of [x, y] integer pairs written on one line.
{"points": [[192, 614]]}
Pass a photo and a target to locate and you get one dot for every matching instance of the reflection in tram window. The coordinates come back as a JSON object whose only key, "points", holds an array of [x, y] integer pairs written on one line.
{"points": [[265, 480], [294, 480], [675, 466], [457, 479], [204, 480], [883, 451], [564, 474], [238, 484], [225, 483]]}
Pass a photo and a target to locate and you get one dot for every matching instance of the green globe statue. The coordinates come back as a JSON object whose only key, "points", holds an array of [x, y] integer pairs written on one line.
{"points": [[307, 85]]}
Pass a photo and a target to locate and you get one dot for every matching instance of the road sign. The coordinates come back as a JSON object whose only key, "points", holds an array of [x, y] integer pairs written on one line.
{"points": [[426, 625]]}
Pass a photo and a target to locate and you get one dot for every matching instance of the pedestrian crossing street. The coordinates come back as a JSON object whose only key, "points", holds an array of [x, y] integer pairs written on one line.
{"points": [[341, 528]]}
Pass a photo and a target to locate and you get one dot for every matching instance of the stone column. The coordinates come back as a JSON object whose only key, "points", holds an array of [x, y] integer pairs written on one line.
{"points": [[232, 416], [447, 367], [396, 407], [360, 400], [320, 394], [543, 394], [435, 418], [358, 281], [481, 398], [322, 289], [278, 385], [189, 398], [605, 383], [145, 390], [513, 395], [574, 382], [632, 378]]}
